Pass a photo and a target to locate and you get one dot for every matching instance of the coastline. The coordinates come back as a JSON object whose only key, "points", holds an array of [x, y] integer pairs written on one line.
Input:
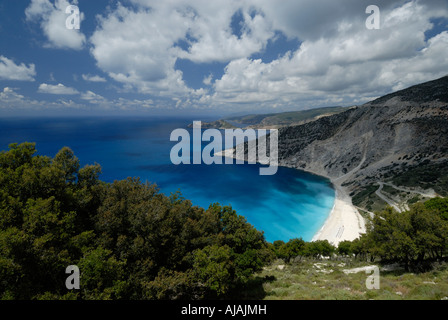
{"points": [[343, 222]]}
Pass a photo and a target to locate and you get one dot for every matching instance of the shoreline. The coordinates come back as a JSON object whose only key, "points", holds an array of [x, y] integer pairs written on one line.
{"points": [[343, 222]]}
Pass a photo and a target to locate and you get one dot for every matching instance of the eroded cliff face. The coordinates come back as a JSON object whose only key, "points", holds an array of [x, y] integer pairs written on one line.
{"points": [[370, 142]]}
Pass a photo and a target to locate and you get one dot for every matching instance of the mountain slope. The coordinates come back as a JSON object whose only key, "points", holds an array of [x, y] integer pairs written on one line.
{"points": [[272, 120], [401, 137], [277, 120]]}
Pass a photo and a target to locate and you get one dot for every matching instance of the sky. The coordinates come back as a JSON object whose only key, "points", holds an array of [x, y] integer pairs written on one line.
{"points": [[213, 56]]}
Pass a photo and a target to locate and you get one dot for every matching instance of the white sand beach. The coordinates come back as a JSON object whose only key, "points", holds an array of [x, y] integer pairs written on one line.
{"points": [[344, 221]]}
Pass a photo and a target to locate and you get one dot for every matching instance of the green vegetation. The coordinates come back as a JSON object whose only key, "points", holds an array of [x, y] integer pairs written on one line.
{"points": [[439, 205], [366, 198], [286, 118], [397, 243], [414, 199], [358, 198], [413, 238], [312, 279], [128, 240], [297, 248], [390, 190], [132, 242], [425, 175]]}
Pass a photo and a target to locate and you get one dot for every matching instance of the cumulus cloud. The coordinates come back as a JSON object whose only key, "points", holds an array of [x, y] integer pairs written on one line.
{"points": [[338, 60], [93, 98], [11, 71], [214, 37], [58, 89], [8, 94], [350, 64], [52, 19], [10, 99], [208, 80], [95, 78], [139, 47]]}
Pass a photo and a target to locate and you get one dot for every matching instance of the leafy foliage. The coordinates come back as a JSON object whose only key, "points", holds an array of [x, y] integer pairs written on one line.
{"points": [[410, 236], [413, 238], [296, 248], [128, 240]]}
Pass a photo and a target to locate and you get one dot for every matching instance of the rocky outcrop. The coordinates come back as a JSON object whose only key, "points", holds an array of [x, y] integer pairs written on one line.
{"points": [[387, 136]]}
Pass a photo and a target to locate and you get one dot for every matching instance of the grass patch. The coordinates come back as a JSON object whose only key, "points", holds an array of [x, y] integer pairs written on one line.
{"points": [[310, 280]]}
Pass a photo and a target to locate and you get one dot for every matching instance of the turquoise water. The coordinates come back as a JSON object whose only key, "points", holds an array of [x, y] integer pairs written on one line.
{"points": [[289, 204]]}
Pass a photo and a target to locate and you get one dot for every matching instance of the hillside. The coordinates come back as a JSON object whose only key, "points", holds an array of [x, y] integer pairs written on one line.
{"points": [[421, 94], [274, 120], [218, 124], [401, 139]]}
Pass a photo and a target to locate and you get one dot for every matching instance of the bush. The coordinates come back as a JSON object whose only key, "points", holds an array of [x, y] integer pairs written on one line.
{"points": [[410, 237], [129, 240]]}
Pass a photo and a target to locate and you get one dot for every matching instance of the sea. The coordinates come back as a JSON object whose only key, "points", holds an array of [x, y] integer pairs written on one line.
{"points": [[290, 204]]}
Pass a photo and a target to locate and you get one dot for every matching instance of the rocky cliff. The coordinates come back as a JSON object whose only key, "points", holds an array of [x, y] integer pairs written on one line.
{"points": [[397, 136]]}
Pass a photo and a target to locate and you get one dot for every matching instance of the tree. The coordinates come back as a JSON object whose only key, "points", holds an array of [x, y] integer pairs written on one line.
{"points": [[410, 237], [345, 248], [360, 247], [391, 236], [290, 250], [440, 205], [66, 161], [319, 248], [430, 232], [128, 240], [102, 275], [213, 268]]}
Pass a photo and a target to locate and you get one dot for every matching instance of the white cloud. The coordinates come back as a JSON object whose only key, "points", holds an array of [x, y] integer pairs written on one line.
{"points": [[215, 40], [10, 99], [208, 80], [59, 89], [95, 78], [11, 71], [139, 48], [338, 61], [9, 95], [52, 18], [136, 48], [93, 98], [351, 64]]}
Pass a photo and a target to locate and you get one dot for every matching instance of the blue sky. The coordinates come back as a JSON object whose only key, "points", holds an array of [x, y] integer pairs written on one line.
{"points": [[220, 56]]}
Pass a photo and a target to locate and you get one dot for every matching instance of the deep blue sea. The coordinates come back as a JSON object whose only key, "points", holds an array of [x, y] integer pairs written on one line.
{"points": [[289, 204]]}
